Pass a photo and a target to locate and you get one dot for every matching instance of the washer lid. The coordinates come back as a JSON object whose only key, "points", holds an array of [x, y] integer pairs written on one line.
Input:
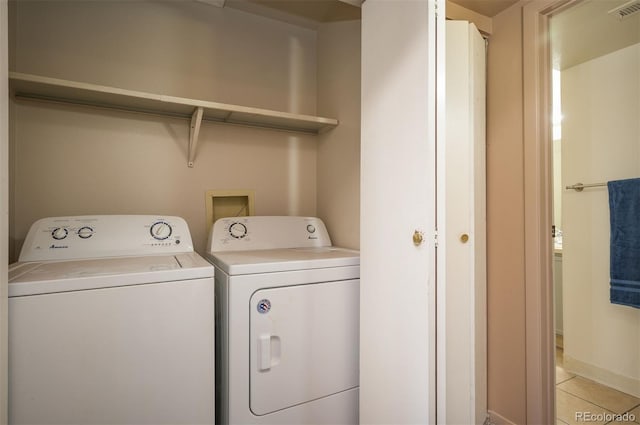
{"points": [[279, 260], [61, 276]]}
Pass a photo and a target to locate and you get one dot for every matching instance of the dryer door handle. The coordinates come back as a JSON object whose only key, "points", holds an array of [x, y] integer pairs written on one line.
{"points": [[264, 352], [268, 351]]}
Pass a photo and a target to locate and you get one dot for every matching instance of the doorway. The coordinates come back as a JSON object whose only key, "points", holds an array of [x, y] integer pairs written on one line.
{"points": [[595, 59]]}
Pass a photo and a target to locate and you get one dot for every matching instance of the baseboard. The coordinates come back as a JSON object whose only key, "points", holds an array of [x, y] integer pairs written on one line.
{"points": [[497, 419], [603, 376]]}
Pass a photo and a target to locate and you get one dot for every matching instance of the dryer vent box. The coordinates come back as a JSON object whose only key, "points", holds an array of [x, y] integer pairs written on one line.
{"points": [[228, 203]]}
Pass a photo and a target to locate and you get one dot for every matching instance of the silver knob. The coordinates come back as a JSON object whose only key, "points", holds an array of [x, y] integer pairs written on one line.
{"points": [[59, 233], [85, 232]]}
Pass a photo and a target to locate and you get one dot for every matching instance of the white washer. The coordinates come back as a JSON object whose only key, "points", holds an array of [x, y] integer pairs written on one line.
{"points": [[111, 321], [287, 324]]}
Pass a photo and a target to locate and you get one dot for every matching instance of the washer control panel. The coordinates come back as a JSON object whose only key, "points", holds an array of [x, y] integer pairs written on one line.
{"points": [[267, 232], [67, 238]]}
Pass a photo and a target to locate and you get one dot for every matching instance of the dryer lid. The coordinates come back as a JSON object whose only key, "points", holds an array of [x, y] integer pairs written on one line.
{"points": [[280, 260], [35, 278]]}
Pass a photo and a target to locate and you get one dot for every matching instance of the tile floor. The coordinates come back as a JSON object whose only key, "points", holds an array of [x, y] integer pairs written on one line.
{"points": [[578, 394]]}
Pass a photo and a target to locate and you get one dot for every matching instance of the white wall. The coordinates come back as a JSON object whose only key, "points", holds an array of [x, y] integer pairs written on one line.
{"points": [[339, 150], [556, 110], [557, 184], [77, 160], [600, 142]]}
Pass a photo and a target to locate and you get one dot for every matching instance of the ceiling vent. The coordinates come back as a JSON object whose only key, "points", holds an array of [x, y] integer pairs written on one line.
{"points": [[626, 10]]}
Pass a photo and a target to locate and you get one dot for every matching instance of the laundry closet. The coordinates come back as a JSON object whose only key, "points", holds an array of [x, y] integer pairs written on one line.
{"points": [[80, 157], [114, 148]]}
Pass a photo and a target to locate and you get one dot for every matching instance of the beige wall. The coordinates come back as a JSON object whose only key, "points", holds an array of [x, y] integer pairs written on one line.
{"points": [[175, 47], [339, 150], [4, 209], [505, 220], [77, 160]]}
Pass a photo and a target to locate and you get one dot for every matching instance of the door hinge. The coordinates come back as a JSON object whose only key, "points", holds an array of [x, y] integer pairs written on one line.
{"points": [[435, 237]]}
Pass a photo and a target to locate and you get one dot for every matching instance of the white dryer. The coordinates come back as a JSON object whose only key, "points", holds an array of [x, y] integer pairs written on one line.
{"points": [[111, 321], [287, 323]]}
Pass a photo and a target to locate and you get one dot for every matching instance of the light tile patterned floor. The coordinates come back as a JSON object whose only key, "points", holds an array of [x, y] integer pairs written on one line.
{"points": [[578, 394]]}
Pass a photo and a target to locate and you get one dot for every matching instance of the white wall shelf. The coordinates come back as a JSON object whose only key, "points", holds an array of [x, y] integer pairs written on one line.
{"points": [[26, 86]]}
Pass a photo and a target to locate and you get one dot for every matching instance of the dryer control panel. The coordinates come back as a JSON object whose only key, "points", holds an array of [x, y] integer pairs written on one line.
{"points": [[69, 238], [267, 232]]}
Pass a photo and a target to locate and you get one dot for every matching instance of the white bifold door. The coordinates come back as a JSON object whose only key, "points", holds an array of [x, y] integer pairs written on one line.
{"points": [[462, 257], [422, 247], [398, 211]]}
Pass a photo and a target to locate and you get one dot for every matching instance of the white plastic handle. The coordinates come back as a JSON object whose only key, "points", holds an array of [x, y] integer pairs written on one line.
{"points": [[264, 352]]}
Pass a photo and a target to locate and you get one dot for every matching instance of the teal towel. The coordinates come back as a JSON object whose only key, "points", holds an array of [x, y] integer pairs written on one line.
{"points": [[624, 208]]}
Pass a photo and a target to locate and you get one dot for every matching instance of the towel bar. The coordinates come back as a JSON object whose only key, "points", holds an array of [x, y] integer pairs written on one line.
{"points": [[579, 187]]}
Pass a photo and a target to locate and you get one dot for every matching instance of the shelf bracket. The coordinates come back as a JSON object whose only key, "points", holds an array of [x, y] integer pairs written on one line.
{"points": [[196, 121]]}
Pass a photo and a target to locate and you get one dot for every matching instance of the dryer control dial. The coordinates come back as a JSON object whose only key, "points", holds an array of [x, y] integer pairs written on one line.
{"points": [[161, 230], [238, 230], [85, 232], [59, 233]]}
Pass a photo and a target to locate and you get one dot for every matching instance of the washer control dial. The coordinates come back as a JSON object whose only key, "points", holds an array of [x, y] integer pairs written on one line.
{"points": [[311, 228], [59, 233], [238, 230], [161, 230], [85, 232]]}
